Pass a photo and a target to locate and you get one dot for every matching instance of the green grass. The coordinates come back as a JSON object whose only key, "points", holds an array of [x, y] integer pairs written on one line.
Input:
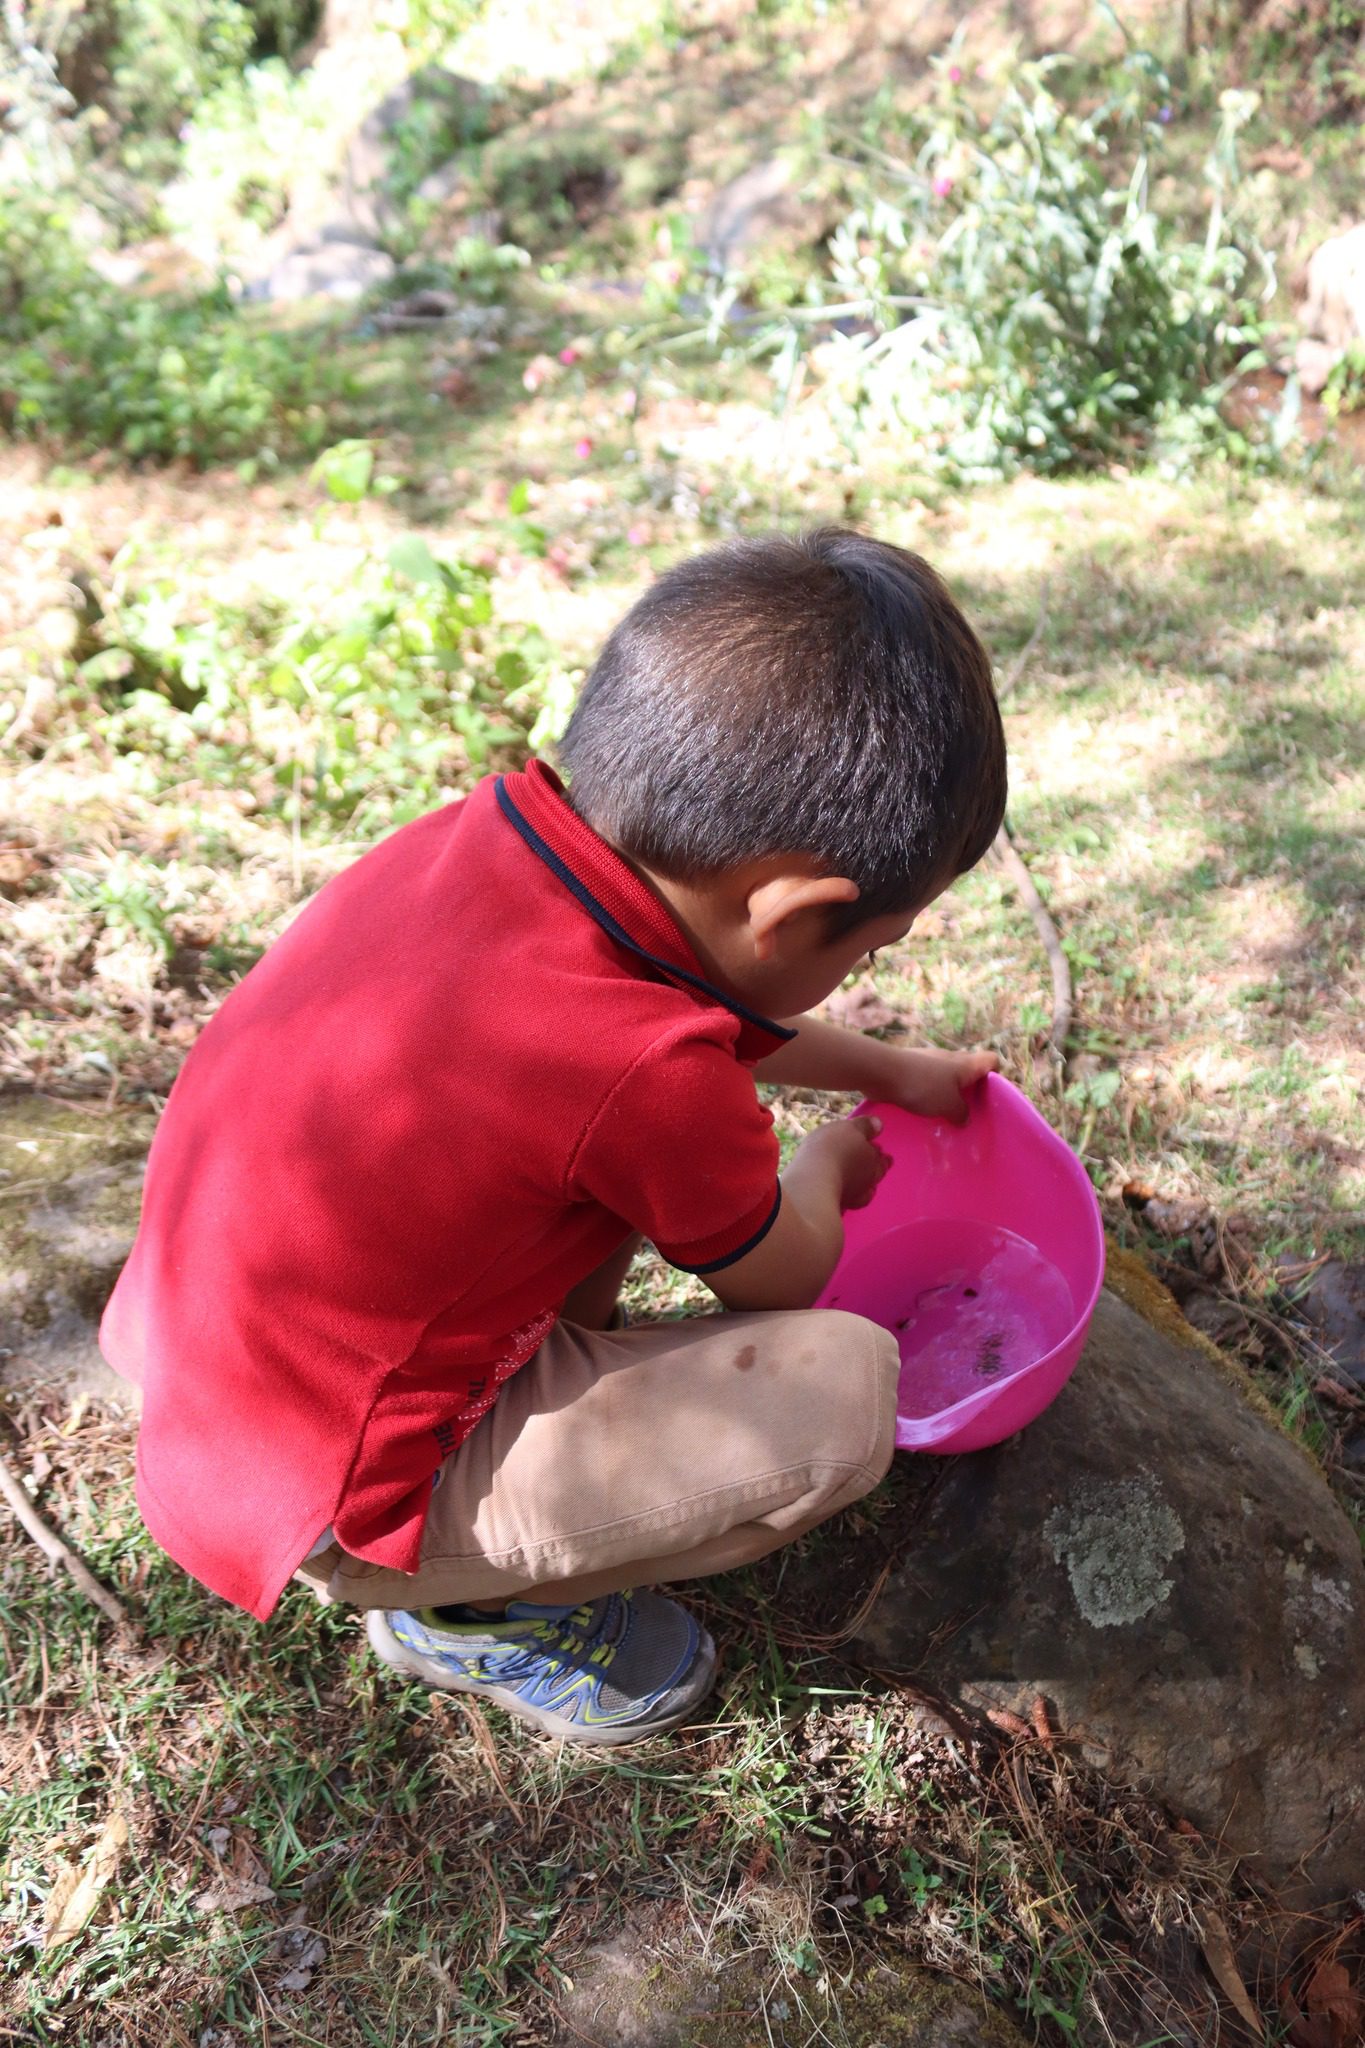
{"points": [[437, 1867], [1186, 746]]}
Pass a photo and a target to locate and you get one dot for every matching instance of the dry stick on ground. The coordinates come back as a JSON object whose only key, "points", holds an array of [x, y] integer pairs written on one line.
{"points": [[51, 1544], [1013, 862]]}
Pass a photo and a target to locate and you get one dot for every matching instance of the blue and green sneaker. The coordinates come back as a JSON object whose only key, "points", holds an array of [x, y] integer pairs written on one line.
{"points": [[613, 1670]]}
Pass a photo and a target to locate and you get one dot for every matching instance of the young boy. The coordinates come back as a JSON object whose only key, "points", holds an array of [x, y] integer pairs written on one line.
{"points": [[396, 1188]]}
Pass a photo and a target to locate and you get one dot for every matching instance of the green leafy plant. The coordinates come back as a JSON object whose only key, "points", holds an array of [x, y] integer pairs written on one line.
{"points": [[360, 717], [128, 898], [149, 63], [345, 470], [243, 146], [1003, 293], [150, 377], [1345, 388], [1025, 300], [919, 1881]]}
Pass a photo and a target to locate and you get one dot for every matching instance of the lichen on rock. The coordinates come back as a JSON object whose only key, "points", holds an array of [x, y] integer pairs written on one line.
{"points": [[1115, 1539]]}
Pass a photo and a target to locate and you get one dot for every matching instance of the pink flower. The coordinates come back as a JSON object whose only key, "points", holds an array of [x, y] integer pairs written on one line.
{"points": [[568, 356], [583, 449], [943, 185], [954, 74], [638, 535]]}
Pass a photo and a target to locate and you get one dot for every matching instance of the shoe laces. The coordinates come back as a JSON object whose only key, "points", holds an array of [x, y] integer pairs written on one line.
{"points": [[565, 1637]]}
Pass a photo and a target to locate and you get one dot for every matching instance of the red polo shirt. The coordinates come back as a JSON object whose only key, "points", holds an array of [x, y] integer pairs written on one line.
{"points": [[472, 1065]]}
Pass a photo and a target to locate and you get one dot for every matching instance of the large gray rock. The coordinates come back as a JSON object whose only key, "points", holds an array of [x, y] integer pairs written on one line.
{"points": [[334, 267], [1334, 310], [1159, 1561], [330, 243], [745, 210], [367, 167]]}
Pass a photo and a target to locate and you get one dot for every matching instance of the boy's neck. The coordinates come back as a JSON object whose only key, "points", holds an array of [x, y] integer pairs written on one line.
{"points": [[707, 927]]}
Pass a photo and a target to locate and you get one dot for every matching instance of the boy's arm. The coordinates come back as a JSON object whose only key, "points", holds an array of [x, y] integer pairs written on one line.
{"points": [[835, 1168], [827, 1056]]}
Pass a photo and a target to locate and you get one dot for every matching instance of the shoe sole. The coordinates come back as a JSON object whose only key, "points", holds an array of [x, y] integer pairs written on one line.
{"points": [[607, 1735]]}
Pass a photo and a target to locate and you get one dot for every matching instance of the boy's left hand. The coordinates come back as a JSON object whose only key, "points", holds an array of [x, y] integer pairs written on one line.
{"points": [[934, 1083]]}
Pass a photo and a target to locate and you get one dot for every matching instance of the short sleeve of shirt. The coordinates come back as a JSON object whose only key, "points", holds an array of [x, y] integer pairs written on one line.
{"points": [[683, 1151]]}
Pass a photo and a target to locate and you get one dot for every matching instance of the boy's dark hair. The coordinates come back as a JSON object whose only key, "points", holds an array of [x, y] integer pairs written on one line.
{"points": [[821, 695]]}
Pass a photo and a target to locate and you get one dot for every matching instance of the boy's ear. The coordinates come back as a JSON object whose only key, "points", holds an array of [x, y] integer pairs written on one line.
{"points": [[774, 906]]}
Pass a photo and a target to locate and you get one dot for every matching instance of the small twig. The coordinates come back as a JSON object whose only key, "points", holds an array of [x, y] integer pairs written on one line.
{"points": [[1021, 659], [1013, 862], [52, 1546]]}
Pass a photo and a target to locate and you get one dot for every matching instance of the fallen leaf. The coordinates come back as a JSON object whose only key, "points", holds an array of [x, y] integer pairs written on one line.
{"points": [[76, 1416], [1328, 1390], [1301, 2032], [1217, 1947], [232, 1895], [860, 1008], [1306, 2033], [75, 1895], [1283, 158], [17, 865], [246, 1863], [1331, 1996], [300, 1976]]}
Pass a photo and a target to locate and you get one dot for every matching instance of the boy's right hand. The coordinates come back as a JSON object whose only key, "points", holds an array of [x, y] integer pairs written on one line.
{"points": [[848, 1149]]}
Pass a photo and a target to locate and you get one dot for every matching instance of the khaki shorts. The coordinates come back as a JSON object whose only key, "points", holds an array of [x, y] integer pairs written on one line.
{"points": [[635, 1457]]}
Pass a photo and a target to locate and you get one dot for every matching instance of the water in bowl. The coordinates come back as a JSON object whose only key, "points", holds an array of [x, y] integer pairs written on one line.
{"points": [[970, 1304]]}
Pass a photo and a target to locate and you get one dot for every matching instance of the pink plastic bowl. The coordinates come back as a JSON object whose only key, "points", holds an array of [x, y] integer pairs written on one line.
{"points": [[982, 1250]]}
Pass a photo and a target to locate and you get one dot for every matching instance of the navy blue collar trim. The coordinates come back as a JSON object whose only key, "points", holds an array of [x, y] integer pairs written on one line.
{"points": [[602, 916], [741, 1251]]}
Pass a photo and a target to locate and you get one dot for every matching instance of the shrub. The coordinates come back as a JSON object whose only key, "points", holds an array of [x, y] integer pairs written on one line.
{"points": [[1006, 295], [148, 63], [243, 148], [1345, 389], [359, 716], [150, 378]]}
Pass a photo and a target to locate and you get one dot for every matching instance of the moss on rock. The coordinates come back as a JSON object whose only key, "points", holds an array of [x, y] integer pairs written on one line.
{"points": [[70, 1194], [1127, 1276]]}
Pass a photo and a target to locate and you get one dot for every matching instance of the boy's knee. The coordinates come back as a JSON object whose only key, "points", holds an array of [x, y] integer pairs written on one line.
{"points": [[854, 1367]]}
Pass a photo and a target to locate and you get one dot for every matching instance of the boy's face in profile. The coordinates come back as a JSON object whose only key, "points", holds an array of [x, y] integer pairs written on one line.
{"points": [[808, 965], [773, 932]]}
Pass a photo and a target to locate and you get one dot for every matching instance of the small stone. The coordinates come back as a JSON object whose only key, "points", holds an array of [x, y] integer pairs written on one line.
{"points": [[333, 269]]}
